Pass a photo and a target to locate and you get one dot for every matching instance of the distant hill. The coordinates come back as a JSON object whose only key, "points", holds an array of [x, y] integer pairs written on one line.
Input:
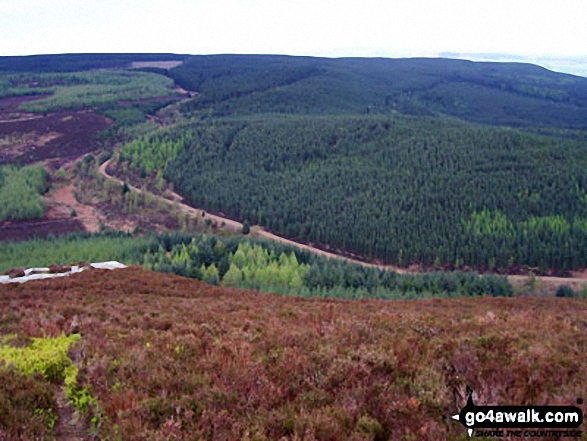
{"points": [[571, 64], [78, 62], [514, 94]]}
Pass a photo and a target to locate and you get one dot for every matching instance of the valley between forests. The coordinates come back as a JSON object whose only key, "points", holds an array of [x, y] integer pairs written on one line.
{"points": [[577, 280], [357, 221]]}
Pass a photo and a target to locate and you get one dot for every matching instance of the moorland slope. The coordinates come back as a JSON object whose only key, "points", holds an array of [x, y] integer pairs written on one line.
{"points": [[168, 357]]}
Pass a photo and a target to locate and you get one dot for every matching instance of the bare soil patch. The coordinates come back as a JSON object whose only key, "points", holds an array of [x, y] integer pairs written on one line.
{"points": [[61, 204], [18, 144], [47, 138], [174, 198], [69, 426]]}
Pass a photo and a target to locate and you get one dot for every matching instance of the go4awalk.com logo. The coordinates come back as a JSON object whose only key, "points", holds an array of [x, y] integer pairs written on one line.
{"points": [[521, 421]]}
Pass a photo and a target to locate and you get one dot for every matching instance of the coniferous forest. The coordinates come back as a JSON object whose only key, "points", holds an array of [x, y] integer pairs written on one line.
{"points": [[457, 164], [443, 163], [399, 189]]}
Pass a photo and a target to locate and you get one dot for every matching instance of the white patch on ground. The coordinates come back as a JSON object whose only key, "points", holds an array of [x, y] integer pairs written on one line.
{"points": [[43, 273], [108, 265]]}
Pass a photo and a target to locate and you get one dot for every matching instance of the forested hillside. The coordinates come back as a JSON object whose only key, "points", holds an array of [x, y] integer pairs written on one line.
{"points": [[78, 62], [514, 94], [495, 93], [443, 163], [396, 188], [438, 187]]}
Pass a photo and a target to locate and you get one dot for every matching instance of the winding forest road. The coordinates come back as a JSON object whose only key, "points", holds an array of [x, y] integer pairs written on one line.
{"points": [[576, 282], [233, 225]]}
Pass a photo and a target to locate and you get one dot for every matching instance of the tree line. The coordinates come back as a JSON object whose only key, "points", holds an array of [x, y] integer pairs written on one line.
{"points": [[242, 262]]}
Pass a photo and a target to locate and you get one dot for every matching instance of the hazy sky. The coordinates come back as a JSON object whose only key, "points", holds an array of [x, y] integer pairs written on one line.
{"points": [[297, 27]]}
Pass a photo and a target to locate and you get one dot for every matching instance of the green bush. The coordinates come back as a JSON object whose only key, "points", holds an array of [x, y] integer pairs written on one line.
{"points": [[246, 228], [47, 356], [565, 291]]}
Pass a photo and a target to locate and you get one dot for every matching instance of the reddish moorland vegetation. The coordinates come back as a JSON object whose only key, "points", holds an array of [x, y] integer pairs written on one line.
{"points": [[173, 358], [29, 229], [59, 136]]}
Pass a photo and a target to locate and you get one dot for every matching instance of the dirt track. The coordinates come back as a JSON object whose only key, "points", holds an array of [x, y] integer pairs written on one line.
{"points": [[177, 199], [233, 225], [551, 283]]}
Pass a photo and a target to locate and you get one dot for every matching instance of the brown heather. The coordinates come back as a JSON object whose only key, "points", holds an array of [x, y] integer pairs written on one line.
{"points": [[173, 358]]}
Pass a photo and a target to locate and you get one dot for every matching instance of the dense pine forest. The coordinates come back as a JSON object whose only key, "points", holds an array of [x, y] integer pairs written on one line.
{"points": [[396, 188], [442, 163]]}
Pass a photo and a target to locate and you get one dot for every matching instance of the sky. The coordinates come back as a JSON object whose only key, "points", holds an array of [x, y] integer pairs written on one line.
{"points": [[531, 30]]}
